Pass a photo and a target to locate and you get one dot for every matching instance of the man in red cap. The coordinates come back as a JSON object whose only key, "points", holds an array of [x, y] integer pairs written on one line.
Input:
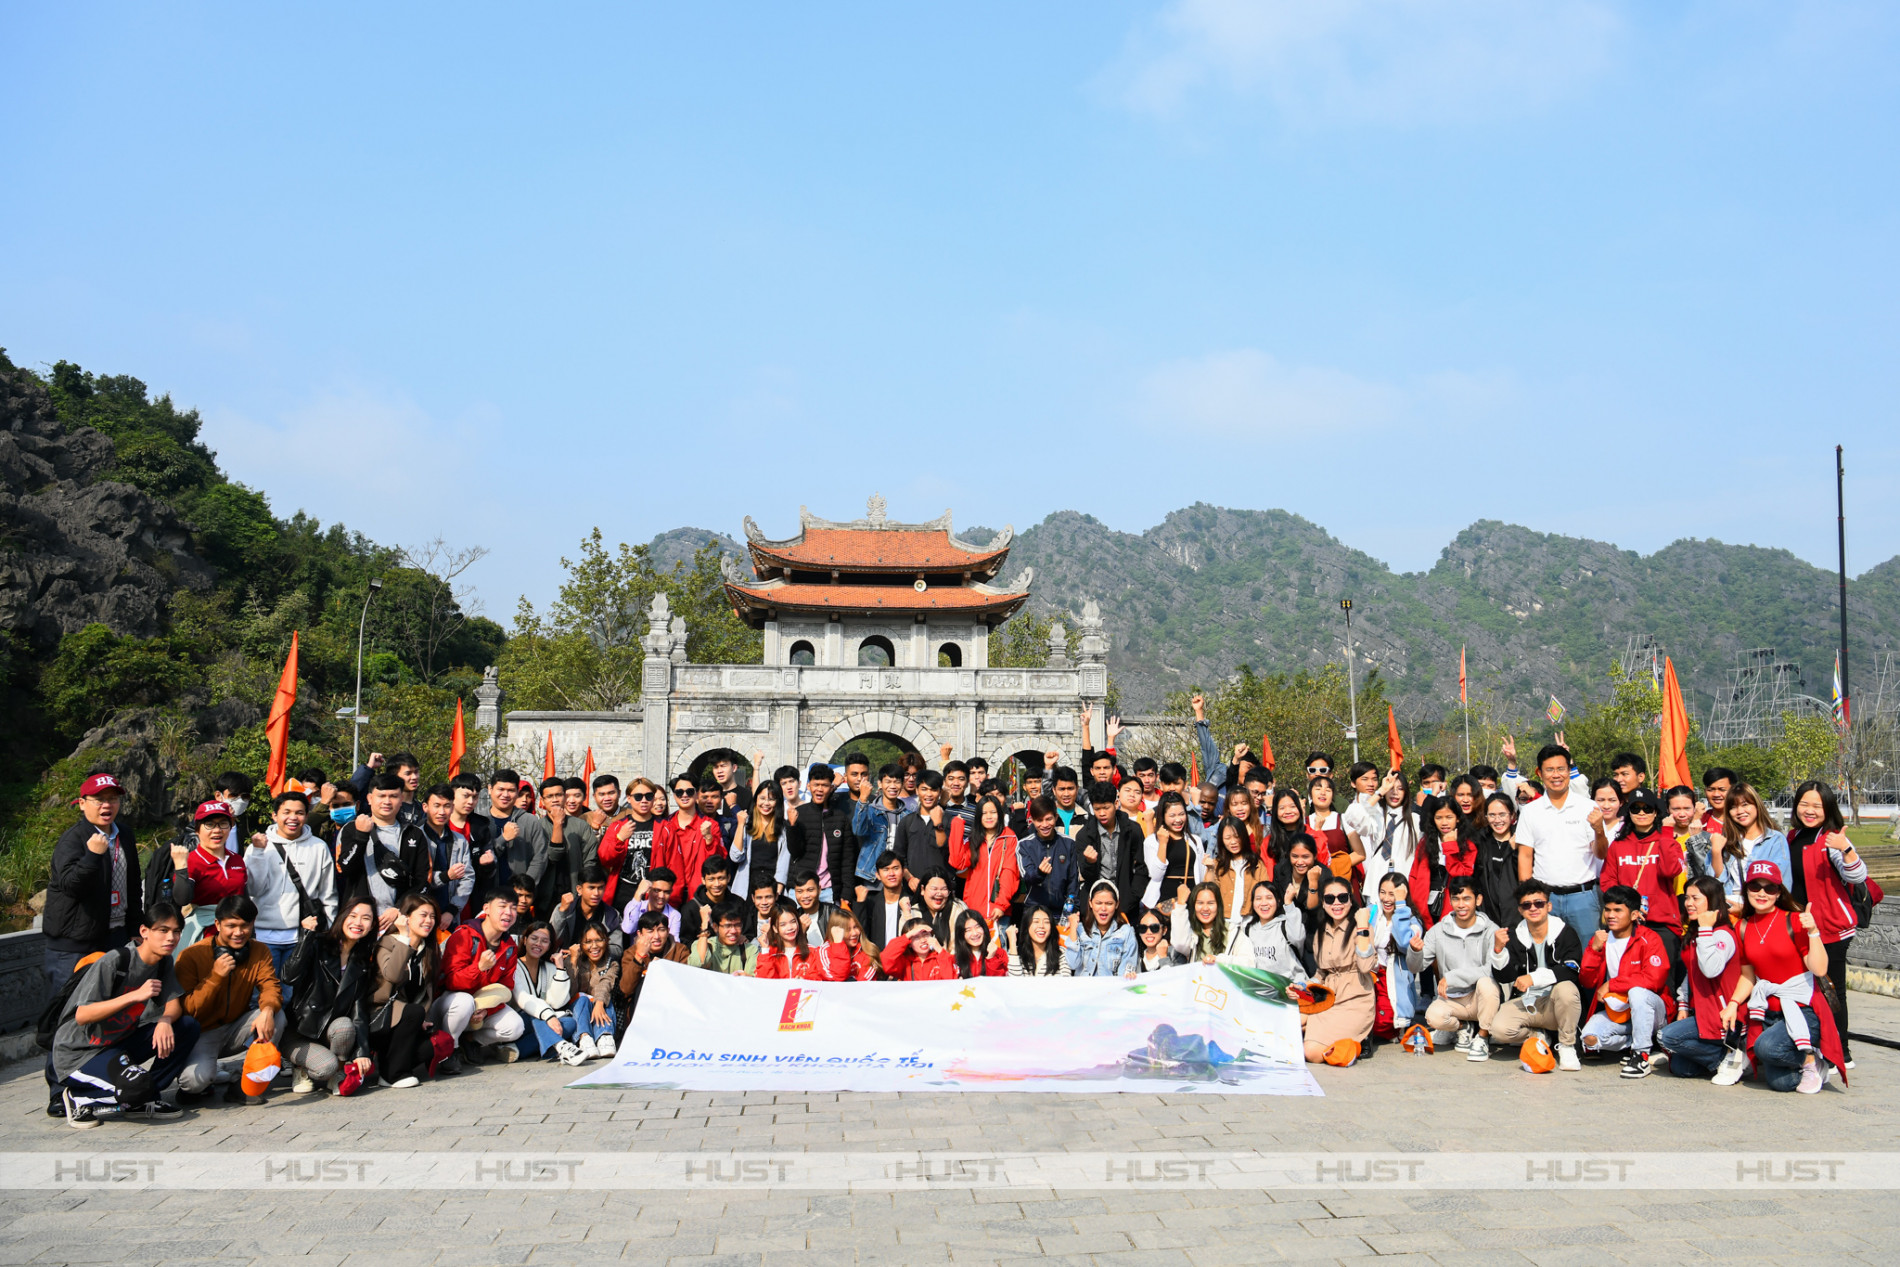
{"points": [[93, 898]]}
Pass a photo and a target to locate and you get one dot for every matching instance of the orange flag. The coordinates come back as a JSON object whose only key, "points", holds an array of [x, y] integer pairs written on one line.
{"points": [[277, 729], [1673, 765], [1393, 747], [587, 773], [458, 743], [1194, 769], [1462, 699], [1266, 750], [547, 766]]}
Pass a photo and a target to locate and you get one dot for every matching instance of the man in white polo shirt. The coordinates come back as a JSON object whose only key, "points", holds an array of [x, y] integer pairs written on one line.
{"points": [[1563, 832]]}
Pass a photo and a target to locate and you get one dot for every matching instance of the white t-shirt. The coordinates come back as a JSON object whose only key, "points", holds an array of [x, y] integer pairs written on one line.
{"points": [[1562, 840]]}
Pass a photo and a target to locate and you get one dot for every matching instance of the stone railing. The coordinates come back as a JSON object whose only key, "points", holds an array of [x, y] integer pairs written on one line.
{"points": [[829, 680], [1878, 944], [22, 980]]}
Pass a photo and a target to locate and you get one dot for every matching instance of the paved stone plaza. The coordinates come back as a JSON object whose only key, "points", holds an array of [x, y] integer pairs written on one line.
{"points": [[1393, 1103]]}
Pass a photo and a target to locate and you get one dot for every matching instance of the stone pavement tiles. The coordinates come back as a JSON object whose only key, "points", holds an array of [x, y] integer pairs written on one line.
{"points": [[1394, 1102]]}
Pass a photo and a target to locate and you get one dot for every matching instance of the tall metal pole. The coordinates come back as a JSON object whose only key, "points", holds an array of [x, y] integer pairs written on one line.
{"points": [[1352, 691], [356, 715], [1847, 714]]}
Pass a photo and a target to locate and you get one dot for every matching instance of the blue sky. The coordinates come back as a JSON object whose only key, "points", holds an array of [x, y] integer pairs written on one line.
{"points": [[1614, 270]]}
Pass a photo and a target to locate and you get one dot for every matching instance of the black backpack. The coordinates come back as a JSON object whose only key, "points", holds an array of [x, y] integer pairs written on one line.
{"points": [[53, 1014]]}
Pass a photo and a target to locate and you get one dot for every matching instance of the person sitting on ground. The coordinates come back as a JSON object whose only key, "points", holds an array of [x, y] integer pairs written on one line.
{"points": [[656, 894], [586, 907], [330, 975], [1339, 946], [544, 995], [1151, 936], [1103, 945], [918, 955], [1034, 948], [723, 946], [1696, 1041], [1198, 930], [126, 1009], [407, 962], [786, 952], [715, 886], [846, 955], [651, 942], [1275, 934], [1540, 962], [1461, 947], [479, 959], [219, 977], [1394, 984], [596, 975], [1790, 1030], [1627, 968], [974, 955]]}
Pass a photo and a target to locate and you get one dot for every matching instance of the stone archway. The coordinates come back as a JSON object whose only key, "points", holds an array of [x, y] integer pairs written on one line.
{"points": [[744, 745], [855, 724]]}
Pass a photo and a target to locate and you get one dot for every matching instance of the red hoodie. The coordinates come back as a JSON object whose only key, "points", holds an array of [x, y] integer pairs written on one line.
{"points": [[992, 874], [1646, 864], [1644, 965], [843, 963], [777, 965], [463, 952], [901, 963]]}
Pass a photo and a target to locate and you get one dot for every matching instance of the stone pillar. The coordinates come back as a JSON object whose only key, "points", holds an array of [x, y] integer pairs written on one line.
{"points": [[980, 647], [488, 707], [920, 646], [785, 724], [1058, 646], [966, 731], [1092, 647], [656, 687], [834, 644]]}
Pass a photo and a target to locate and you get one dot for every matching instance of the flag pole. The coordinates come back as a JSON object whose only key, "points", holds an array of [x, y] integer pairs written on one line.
{"points": [[1464, 698], [1847, 714]]}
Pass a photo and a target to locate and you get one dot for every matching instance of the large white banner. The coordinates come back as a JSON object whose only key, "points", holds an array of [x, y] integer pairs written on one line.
{"points": [[1193, 1028]]}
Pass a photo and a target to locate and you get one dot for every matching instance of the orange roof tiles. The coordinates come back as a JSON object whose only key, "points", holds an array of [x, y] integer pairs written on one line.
{"points": [[872, 548], [892, 598]]}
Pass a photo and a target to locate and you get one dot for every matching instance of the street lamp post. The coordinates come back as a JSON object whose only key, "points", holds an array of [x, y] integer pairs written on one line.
{"points": [[356, 714], [1352, 690]]}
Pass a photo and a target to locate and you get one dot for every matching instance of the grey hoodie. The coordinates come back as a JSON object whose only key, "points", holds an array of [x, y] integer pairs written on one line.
{"points": [[269, 885], [1463, 955]]}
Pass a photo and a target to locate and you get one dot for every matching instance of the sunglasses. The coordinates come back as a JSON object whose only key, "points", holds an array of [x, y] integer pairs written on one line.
{"points": [[682, 792], [1150, 928], [1319, 769], [641, 796], [1532, 905], [1762, 886], [1335, 899]]}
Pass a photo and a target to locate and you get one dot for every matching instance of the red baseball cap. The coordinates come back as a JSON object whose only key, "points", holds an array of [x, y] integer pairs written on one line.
{"points": [[213, 809], [1764, 870], [99, 783]]}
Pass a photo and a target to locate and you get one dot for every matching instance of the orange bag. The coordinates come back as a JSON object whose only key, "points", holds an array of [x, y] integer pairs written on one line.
{"points": [[1342, 1053], [1313, 998], [1617, 1008], [261, 1065], [1535, 1056]]}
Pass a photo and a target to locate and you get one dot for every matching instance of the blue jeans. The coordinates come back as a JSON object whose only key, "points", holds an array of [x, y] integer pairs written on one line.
{"points": [[1581, 911], [279, 956], [91, 1083], [583, 1018], [1690, 1054], [541, 1036], [1777, 1058]]}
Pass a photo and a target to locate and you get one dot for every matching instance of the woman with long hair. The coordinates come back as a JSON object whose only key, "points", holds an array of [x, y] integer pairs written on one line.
{"points": [[1646, 857], [1174, 860], [1467, 796], [1198, 928], [544, 994], [329, 978], [1286, 821], [408, 959], [1035, 948], [1496, 869], [1277, 934], [1340, 849], [595, 975], [1790, 1031], [1609, 802], [1822, 865], [1429, 875], [1398, 835], [1394, 984], [784, 952], [1748, 835], [1103, 944], [846, 955], [1236, 868], [973, 953], [759, 849], [988, 861], [1304, 876], [1241, 808], [1710, 968], [1339, 946], [1153, 951]]}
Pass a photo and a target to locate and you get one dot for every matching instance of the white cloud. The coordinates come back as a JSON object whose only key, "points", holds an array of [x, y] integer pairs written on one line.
{"points": [[1246, 392], [1377, 61]]}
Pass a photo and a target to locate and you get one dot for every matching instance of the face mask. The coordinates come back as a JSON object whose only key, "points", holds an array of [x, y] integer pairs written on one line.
{"points": [[343, 815], [239, 805]]}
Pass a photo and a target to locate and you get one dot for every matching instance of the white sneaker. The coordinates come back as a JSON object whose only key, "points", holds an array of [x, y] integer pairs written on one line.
{"points": [[1465, 1035], [1479, 1049], [604, 1046], [1811, 1079], [568, 1054], [589, 1049], [403, 1084], [304, 1084], [1567, 1059], [1729, 1072]]}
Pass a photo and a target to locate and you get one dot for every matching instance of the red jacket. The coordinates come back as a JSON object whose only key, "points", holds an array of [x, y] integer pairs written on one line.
{"points": [[1827, 895], [993, 874], [1708, 994], [612, 849], [777, 965], [1645, 965], [842, 963], [901, 963], [684, 850], [463, 952], [994, 965], [1645, 864], [1460, 856]]}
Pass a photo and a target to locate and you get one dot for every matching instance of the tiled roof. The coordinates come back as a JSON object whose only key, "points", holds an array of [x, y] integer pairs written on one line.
{"points": [[857, 549], [873, 598]]}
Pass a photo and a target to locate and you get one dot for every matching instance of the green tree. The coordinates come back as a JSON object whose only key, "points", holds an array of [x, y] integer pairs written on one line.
{"points": [[1301, 712], [97, 672], [1809, 748], [1629, 721], [1022, 641]]}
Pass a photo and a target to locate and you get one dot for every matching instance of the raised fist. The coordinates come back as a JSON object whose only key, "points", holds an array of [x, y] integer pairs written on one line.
{"points": [[1601, 940], [97, 842], [1500, 940], [509, 831], [1418, 940]]}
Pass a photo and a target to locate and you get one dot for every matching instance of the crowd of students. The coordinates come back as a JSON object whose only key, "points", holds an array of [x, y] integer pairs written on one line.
{"points": [[376, 932]]}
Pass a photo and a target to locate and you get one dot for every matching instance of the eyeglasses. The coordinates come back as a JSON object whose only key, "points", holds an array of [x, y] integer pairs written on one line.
{"points": [[1335, 899], [1532, 905]]}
